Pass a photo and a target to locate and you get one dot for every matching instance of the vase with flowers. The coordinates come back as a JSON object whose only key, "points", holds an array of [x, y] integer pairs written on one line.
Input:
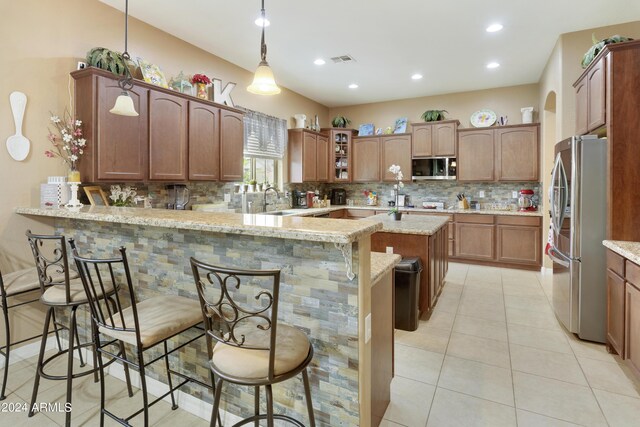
{"points": [[68, 142], [397, 172], [123, 196], [201, 81]]}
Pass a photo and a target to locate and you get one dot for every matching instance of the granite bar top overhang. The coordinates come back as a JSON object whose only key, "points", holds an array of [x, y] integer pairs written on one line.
{"points": [[285, 227], [409, 224], [381, 264], [628, 250]]}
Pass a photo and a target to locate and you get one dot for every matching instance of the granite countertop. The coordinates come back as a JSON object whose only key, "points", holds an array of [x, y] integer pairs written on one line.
{"points": [[629, 250], [321, 211], [286, 227], [409, 224], [381, 264]]}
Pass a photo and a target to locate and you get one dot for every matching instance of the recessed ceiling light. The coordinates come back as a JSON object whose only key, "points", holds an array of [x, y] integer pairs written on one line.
{"points": [[319, 61], [494, 28], [416, 76], [259, 22], [353, 86], [492, 65]]}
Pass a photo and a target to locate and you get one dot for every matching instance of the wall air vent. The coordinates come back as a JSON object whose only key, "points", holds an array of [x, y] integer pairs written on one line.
{"points": [[342, 59]]}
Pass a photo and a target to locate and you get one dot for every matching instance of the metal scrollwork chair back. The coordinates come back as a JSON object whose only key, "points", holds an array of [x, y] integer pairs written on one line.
{"points": [[50, 255]]}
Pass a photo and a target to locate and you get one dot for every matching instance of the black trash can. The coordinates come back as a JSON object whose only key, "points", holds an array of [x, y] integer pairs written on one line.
{"points": [[408, 293]]}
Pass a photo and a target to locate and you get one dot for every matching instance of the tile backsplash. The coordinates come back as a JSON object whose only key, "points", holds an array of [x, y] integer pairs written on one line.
{"points": [[419, 191]]}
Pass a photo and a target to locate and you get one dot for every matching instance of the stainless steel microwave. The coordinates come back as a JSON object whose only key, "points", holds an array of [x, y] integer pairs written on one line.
{"points": [[433, 168]]}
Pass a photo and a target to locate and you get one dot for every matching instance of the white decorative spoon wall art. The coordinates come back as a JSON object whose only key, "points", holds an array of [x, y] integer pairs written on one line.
{"points": [[18, 145]]}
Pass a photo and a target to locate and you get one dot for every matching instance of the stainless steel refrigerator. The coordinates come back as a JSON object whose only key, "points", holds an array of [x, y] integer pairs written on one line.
{"points": [[578, 219]]}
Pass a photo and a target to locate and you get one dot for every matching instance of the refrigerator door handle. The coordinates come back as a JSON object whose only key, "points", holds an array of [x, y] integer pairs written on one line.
{"points": [[558, 257]]}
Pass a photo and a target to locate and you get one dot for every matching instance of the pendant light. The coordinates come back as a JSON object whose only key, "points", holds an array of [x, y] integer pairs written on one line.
{"points": [[124, 104], [263, 81]]}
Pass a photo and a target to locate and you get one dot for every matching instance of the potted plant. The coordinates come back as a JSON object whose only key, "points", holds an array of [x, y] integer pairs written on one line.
{"points": [[201, 81], [397, 215], [433, 115], [340, 122], [106, 59], [397, 172], [598, 45], [252, 186], [123, 196]]}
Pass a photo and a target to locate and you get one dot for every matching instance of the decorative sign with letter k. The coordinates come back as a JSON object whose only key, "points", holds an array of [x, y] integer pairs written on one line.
{"points": [[222, 96]]}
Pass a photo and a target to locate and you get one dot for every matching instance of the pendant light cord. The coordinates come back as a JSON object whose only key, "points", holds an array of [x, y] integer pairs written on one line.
{"points": [[126, 83], [263, 45]]}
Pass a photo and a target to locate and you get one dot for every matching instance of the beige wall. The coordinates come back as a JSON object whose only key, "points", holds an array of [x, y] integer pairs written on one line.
{"points": [[40, 43], [504, 101]]}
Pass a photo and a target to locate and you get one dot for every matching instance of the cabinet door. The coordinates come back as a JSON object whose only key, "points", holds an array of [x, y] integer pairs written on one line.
{"points": [[476, 159], [204, 142], [231, 145], [366, 160], [444, 139], [422, 141], [475, 241], [167, 137], [309, 156], [582, 108], [521, 245], [596, 90], [517, 154], [632, 326], [122, 142], [396, 151], [322, 158], [615, 312]]}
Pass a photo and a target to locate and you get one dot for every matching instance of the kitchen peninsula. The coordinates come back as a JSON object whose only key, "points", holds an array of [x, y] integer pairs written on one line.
{"points": [[326, 287]]}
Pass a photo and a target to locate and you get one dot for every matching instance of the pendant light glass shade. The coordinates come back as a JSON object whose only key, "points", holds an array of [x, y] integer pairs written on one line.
{"points": [[124, 103], [263, 81], [124, 106]]}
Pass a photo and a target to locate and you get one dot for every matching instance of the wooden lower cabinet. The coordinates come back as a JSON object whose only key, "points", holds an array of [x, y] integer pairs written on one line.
{"points": [[475, 241], [615, 312], [519, 244], [632, 327]]}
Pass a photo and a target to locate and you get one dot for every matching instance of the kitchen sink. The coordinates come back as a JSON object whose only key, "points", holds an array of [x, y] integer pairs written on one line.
{"points": [[281, 213]]}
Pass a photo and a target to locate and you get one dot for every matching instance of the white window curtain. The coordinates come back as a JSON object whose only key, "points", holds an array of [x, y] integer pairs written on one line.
{"points": [[264, 136]]}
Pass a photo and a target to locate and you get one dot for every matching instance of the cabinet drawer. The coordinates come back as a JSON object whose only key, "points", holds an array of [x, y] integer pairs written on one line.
{"points": [[632, 274], [615, 263], [518, 220], [360, 213], [474, 218]]}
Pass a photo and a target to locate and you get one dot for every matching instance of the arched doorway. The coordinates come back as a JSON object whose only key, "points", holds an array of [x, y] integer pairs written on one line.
{"points": [[549, 139]]}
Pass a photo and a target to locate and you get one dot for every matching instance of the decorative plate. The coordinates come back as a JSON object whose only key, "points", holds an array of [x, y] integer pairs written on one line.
{"points": [[483, 118], [152, 73]]}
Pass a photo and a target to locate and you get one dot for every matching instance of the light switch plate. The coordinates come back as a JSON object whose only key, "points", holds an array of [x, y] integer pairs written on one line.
{"points": [[514, 194], [367, 328], [390, 249], [481, 194], [227, 197]]}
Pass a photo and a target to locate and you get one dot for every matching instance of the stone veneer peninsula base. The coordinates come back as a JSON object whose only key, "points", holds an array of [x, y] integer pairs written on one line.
{"points": [[325, 290]]}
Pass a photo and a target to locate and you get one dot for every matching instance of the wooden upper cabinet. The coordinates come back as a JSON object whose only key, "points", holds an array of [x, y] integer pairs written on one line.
{"points": [[322, 158], [517, 153], [204, 142], [422, 139], [476, 158], [582, 100], [396, 150], [445, 136], [309, 154], [231, 146], [596, 85], [168, 133], [366, 159], [591, 97], [118, 145]]}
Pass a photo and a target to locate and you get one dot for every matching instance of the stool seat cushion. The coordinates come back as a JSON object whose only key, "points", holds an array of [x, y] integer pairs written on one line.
{"points": [[159, 318], [20, 281], [292, 348], [56, 294]]}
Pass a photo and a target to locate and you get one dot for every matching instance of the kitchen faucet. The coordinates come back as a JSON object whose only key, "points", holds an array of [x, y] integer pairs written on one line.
{"points": [[265, 197]]}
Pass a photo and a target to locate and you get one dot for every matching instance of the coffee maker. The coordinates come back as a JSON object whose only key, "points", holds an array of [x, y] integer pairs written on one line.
{"points": [[300, 199], [178, 195], [338, 196]]}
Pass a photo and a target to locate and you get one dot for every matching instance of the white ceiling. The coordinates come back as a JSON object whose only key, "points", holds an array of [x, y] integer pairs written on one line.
{"points": [[390, 40]]}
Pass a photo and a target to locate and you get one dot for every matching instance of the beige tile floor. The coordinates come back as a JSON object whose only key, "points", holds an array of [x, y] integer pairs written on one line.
{"points": [[492, 354]]}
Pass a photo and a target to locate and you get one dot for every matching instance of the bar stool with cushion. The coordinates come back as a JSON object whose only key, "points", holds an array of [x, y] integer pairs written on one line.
{"points": [[144, 324], [250, 349], [61, 288], [13, 285]]}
